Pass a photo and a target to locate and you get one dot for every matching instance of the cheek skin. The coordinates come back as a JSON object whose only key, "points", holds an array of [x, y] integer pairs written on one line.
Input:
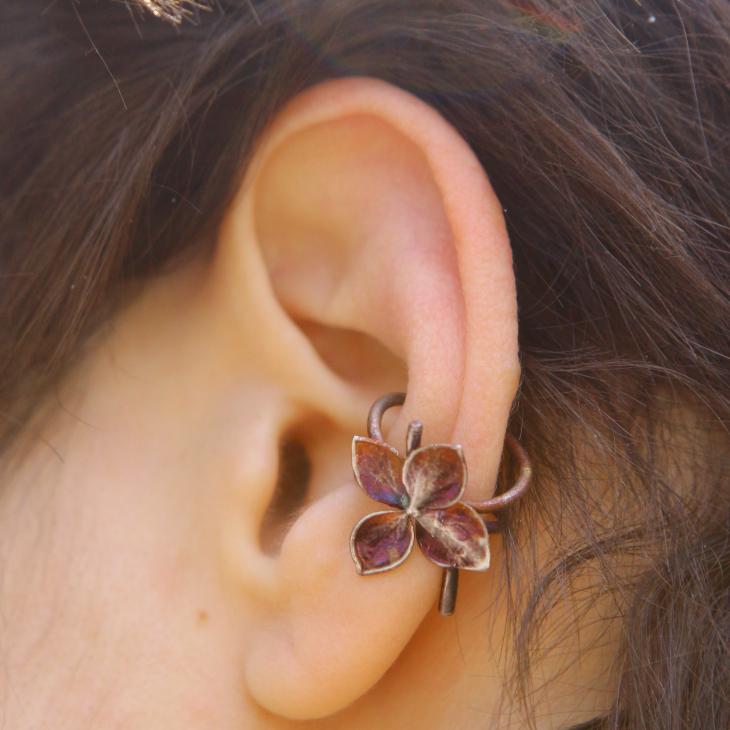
{"points": [[117, 575]]}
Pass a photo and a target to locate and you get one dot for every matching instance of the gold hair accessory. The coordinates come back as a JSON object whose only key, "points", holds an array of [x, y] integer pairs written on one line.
{"points": [[175, 11]]}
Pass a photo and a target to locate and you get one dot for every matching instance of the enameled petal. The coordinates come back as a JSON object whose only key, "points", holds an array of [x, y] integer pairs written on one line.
{"points": [[381, 542], [379, 471], [435, 476], [454, 537]]}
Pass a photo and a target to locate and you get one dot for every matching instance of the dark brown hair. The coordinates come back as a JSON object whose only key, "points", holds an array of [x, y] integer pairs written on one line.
{"points": [[604, 126]]}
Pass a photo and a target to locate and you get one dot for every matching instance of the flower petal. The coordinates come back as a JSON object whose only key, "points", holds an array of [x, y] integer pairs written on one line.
{"points": [[381, 541], [379, 471], [435, 476], [454, 538]]}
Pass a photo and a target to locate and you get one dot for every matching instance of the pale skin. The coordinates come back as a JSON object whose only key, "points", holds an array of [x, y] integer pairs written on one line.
{"points": [[135, 592]]}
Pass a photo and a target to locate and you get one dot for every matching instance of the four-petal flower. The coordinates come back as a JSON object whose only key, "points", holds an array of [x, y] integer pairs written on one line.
{"points": [[425, 489]]}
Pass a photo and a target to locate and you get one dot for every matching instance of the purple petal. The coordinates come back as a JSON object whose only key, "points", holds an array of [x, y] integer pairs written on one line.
{"points": [[454, 537], [379, 471], [435, 476], [381, 541]]}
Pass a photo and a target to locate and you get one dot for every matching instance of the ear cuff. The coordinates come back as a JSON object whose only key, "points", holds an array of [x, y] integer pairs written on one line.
{"points": [[424, 492]]}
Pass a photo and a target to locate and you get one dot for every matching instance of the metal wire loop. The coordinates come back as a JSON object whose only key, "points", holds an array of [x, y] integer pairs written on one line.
{"points": [[490, 506]]}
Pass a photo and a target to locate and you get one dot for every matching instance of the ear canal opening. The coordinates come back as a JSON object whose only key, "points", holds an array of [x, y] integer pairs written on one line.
{"points": [[290, 495]]}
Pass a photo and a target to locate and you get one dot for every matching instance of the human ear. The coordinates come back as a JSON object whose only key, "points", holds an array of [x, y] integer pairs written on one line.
{"points": [[365, 249]]}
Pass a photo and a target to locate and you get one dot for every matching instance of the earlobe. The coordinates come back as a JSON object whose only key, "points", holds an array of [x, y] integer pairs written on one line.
{"points": [[370, 220]]}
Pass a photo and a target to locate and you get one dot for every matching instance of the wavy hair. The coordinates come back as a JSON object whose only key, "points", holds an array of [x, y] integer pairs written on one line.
{"points": [[604, 126]]}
